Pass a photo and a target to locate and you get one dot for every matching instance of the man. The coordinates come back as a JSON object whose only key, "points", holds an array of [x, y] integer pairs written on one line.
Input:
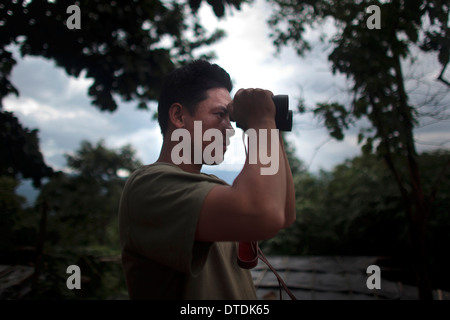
{"points": [[179, 227]]}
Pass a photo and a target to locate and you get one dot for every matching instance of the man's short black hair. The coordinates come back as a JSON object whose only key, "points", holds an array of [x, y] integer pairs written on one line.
{"points": [[187, 85]]}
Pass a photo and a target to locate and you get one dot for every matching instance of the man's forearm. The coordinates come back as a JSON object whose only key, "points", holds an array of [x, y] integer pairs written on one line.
{"points": [[265, 189]]}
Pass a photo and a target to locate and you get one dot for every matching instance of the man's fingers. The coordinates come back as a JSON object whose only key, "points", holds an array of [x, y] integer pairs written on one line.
{"points": [[251, 106]]}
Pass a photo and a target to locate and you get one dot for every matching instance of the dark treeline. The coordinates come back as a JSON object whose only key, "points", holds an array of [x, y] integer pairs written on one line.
{"points": [[73, 222], [355, 209]]}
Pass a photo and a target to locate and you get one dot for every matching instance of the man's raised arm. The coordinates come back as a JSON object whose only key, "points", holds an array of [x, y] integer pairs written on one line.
{"points": [[256, 206]]}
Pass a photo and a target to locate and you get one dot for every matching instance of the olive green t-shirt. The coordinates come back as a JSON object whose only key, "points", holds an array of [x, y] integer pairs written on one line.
{"points": [[158, 216]]}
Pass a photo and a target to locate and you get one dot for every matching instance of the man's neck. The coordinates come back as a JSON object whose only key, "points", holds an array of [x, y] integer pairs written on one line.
{"points": [[166, 156]]}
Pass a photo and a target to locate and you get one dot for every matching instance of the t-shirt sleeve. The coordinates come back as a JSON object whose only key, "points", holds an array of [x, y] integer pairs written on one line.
{"points": [[163, 212]]}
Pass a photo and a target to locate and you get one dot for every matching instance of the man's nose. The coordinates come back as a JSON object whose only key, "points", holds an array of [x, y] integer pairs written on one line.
{"points": [[229, 130], [228, 124]]}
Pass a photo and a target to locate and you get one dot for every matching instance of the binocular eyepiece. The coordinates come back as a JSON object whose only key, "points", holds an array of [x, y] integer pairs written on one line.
{"points": [[283, 116]]}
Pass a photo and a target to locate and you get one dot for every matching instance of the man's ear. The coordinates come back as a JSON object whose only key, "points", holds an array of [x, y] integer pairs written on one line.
{"points": [[176, 115]]}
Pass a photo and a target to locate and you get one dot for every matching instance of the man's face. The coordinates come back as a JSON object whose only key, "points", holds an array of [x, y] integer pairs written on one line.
{"points": [[213, 113]]}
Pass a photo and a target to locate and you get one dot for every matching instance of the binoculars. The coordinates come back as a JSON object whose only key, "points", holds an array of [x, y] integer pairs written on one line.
{"points": [[283, 116]]}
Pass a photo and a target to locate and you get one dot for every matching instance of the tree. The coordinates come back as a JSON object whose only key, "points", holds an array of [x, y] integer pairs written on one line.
{"points": [[371, 59], [341, 212], [356, 209], [21, 157], [126, 47], [83, 205], [10, 208], [78, 222]]}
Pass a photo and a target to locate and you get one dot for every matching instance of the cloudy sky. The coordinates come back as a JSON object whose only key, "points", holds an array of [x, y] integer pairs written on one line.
{"points": [[59, 107]]}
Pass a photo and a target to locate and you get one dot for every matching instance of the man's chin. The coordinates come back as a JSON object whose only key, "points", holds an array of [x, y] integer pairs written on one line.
{"points": [[216, 161]]}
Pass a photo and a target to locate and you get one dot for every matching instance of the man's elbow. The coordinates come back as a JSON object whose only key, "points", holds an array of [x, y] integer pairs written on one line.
{"points": [[273, 221], [270, 218]]}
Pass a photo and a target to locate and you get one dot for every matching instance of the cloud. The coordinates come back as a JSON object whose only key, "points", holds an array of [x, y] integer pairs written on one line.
{"points": [[59, 107], [147, 141], [248, 54]]}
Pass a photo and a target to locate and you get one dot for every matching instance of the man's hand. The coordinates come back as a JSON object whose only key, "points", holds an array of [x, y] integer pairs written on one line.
{"points": [[253, 108]]}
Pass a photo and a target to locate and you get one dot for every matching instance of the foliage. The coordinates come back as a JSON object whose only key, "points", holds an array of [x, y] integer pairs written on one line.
{"points": [[74, 222], [372, 60], [126, 48], [10, 210], [356, 209], [83, 205], [369, 57], [19, 146], [100, 279]]}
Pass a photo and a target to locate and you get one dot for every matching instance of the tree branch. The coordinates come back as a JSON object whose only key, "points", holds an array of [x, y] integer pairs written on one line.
{"points": [[441, 76]]}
